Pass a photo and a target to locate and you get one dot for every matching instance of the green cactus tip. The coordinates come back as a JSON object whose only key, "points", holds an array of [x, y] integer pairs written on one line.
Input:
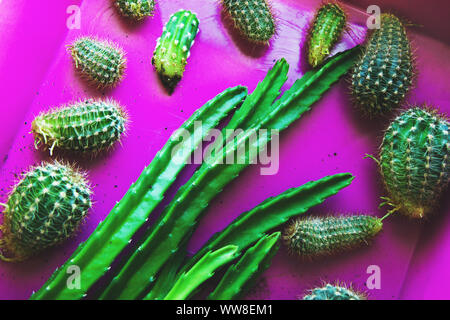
{"points": [[44, 208], [136, 9], [334, 292]]}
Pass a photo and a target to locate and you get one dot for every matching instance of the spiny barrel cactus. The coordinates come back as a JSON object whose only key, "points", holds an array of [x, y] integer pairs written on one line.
{"points": [[43, 209], [414, 161], [327, 27], [88, 126], [384, 73], [253, 18], [136, 9], [173, 47], [100, 61], [334, 292], [318, 237]]}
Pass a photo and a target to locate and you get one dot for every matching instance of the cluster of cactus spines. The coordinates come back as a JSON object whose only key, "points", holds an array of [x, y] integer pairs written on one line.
{"points": [[334, 292], [414, 160], [384, 74], [136, 9], [87, 126], [315, 237], [43, 209], [100, 61], [173, 47], [325, 31], [253, 18]]}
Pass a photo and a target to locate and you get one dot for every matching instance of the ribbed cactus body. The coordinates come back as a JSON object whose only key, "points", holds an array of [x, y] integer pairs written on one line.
{"points": [[43, 209], [100, 61], [136, 9], [253, 18], [326, 29], [317, 237], [88, 126], [334, 292], [173, 47], [414, 160], [384, 73]]}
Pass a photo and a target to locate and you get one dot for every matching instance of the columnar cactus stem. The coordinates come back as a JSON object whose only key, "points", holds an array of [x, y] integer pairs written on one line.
{"points": [[334, 292], [135, 9]]}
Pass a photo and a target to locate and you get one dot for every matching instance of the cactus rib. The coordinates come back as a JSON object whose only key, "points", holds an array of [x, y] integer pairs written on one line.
{"points": [[93, 256]]}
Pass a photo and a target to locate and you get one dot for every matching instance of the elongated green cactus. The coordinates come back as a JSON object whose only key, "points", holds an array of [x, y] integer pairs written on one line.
{"points": [[101, 62], [204, 269], [91, 125], [384, 73], [253, 18], [414, 161], [95, 255], [136, 9], [174, 46], [182, 214], [317, 237], [241, 275], [44, 208], [326, 29], [334, 292]]}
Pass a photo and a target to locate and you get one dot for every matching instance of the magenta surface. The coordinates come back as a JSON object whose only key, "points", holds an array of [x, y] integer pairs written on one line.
{"points": [[37, 73]]}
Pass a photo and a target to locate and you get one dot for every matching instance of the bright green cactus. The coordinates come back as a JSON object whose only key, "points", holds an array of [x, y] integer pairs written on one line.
{"points": [[136, 9], [88, 126], [384, 73], [414, 161], [327, 27], [101, 62], [253, 18], [173, 47], [334, 292], [44, 208], [314, 237]]}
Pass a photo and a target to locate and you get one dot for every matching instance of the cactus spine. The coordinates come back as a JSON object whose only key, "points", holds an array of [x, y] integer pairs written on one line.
{"points": [[327, 27], [253, 18], [100, 61], [173, 47], [43, 209], [91, 125], [334, 292], [383, 74], [136, 9], [414, 161], [318, 237]]}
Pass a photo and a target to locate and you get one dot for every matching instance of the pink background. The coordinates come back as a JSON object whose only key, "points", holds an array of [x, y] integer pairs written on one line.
{"points": [[37, 73]]}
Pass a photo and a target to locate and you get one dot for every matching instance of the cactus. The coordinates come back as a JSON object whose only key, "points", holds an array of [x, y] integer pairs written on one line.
{"points": [[44, 208], [319, 237], [204, 269], [181, 216], [241, 275], [414, 161], [136, 9], [96, 254], [91, 125], [334, 292], [326, 29], [101, 62], [383, 75], [253, 18], [173, 47]]}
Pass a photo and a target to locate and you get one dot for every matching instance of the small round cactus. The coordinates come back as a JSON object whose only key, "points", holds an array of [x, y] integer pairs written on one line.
{"points": [[384, 74], [318, 237], [325, 31], [100, 61], [334, 292], [253, 18], [88, 126], [414, 161], [136, 9], [43, 209]]}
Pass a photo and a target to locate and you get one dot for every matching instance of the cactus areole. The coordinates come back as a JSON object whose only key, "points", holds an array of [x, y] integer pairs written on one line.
{"points": [[43, 209]]}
